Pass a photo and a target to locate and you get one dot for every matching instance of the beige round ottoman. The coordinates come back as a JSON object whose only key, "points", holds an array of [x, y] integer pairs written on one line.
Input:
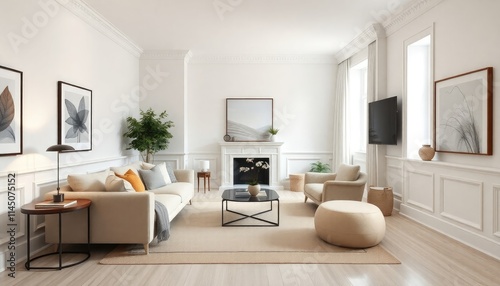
{"points": [[350, 223]]}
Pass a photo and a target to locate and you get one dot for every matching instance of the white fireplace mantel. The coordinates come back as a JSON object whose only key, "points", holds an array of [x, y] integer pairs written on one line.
{"points": [[231, 150]]}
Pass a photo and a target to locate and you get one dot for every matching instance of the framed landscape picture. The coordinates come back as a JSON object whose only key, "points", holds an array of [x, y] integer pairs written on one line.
{"points": [[463, 113], [75, 116], [11, 112], [248, 119]]}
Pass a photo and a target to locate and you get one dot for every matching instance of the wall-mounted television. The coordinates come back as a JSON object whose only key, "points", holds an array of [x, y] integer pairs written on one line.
{"points": [[383, 121]]}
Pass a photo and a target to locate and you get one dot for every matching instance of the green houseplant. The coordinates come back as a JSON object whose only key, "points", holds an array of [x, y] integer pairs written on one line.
{"points": [[319, 167], [149, 134], [272, 132]]}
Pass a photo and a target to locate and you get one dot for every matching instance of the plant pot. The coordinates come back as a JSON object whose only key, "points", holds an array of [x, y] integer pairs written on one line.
{"points": [[426, 152], [254, 189]]}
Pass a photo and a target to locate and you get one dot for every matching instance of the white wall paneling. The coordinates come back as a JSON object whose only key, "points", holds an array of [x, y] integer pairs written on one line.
{"points": [[496, 210], [462, 201], [296, 163], [419, 189]]}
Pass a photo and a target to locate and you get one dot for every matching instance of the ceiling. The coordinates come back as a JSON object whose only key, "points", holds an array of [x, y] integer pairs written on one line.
{"points": [[245, 26]]}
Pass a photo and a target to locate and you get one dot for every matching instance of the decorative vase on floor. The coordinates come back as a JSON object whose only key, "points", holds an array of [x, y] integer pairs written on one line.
{"points": [[254, 189], [426, 152]]}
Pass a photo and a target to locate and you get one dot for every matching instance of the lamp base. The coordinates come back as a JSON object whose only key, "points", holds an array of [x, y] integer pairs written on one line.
{"points": [[58, 198]]}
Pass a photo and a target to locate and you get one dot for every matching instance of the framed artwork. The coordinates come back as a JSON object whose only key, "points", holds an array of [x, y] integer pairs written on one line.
{"points": [[11, 112], [463, 113], [248, 119], [75, 116]]}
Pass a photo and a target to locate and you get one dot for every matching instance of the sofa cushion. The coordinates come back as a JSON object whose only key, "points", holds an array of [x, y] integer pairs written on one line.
{"points": [[171, 174], [171, 202], [123, 169], [134, 180], [153, 178], [163, 169], [116, 184], [347, 173], [314, 190], [93, 182], [184, 190]]}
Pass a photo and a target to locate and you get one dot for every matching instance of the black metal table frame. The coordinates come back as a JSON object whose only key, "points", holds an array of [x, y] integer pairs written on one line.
{"points": [[59, 250], [252, 216]]}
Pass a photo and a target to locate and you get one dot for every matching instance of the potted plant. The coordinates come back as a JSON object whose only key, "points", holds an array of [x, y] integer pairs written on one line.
{"points": [[255, 167], [319, 167], [272, 132], [149, 134]]}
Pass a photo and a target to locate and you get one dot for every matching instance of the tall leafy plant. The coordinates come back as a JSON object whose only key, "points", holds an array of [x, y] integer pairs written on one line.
{"points": [[149, 134]]}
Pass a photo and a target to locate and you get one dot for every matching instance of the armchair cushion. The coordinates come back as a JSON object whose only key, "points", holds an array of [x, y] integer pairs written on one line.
{"points": [[347, 173]]}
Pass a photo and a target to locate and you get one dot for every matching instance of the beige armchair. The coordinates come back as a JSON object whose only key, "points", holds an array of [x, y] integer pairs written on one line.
{"points": [[347, 184]]}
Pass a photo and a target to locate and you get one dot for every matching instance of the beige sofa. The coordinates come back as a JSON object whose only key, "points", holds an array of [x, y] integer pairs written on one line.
{"points": [[124, 217]]}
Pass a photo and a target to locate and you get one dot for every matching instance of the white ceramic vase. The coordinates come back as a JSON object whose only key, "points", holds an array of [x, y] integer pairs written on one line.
{"points": [[254, 189]]}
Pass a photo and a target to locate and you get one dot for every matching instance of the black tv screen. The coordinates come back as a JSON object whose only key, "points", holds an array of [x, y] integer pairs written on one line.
{"points": [[382, 121]]}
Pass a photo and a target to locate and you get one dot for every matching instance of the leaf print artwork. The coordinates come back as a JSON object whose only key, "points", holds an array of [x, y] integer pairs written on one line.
{"points": [[7, 112], [76, 119]]}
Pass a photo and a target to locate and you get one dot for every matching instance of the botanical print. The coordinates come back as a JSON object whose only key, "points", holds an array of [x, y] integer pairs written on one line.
{"points": [[463, 119], [7, 112], [10, 112], [75, 116], [76, 119]]}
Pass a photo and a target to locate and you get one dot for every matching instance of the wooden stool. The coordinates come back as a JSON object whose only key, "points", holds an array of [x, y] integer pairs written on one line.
{"points": [[297, 182], [205, 176]]}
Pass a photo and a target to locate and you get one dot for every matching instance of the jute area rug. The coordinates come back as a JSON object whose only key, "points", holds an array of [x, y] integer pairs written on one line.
{"points": [[197, 237]]}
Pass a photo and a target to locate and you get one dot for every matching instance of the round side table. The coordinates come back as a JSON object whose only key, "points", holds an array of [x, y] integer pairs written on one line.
{"points": [[297, 182], [383, 198], [31, 209]]}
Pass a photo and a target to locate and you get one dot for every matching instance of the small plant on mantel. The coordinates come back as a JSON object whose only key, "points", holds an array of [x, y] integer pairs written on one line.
{"points": [[272, 132], [319, 167], [149, 134]]}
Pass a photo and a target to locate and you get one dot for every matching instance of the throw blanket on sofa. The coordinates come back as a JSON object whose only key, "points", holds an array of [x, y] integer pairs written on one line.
{"points": [[162, 222]]}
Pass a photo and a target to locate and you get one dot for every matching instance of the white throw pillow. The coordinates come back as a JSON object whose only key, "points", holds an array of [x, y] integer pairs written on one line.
{"points": [[347, 173], [93, 182], [123, 169], [115, 184]]}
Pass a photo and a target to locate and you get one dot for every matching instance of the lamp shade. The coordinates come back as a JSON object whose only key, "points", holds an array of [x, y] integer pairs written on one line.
{"points": [[205, 165], [60, 148]]}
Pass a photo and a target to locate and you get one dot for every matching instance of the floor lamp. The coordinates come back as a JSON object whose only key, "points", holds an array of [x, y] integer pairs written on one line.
{"points": [[59, 148]]}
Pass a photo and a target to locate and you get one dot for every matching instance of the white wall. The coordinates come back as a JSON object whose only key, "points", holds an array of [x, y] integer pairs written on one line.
{"points": [[302, 89], [456, 194], [59, 46]]}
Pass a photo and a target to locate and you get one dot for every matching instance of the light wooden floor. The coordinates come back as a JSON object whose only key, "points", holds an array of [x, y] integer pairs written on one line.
{"points": [[427, 258]]}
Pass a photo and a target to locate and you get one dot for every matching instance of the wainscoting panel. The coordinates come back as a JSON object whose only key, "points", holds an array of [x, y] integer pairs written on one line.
{"points": [[466, 201], [496, 210], [462, 201], [420, 190]]}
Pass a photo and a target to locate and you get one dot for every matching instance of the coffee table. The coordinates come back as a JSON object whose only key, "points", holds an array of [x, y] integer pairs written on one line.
{"points": [[240, 195]]}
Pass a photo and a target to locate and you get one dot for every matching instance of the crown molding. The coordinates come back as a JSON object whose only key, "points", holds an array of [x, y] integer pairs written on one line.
{"points": [[409, 14], [96, 20], [370, 34], [262, 59], [388, 27], [166, 55]]}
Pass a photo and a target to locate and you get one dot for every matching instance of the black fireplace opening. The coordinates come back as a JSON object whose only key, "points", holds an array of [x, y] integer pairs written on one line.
{"points": [[243, 178]]}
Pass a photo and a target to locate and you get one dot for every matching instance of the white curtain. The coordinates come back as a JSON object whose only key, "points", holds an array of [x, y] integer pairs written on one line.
{"points": [[340, 145], [371, 150]]}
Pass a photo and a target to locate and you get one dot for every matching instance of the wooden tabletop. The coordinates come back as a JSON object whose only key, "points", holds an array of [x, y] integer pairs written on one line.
{"points": [[31, 209]]}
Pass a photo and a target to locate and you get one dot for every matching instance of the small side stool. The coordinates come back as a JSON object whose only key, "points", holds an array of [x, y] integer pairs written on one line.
{"points": [[383, 198], [205, 176], [297, 182]]}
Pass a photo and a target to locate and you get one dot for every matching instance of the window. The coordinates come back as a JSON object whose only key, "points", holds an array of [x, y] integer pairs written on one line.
{"points": [[356, 106], [418, 93]]}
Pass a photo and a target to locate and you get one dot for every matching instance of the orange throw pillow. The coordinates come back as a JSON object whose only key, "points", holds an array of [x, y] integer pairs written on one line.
{"points": [[134, 180]]}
